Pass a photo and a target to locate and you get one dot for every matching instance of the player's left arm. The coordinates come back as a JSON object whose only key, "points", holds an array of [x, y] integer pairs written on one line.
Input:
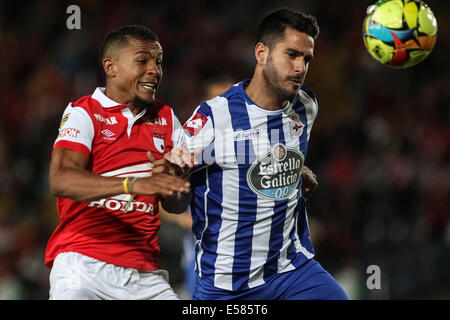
{"points": [[309, 178]]}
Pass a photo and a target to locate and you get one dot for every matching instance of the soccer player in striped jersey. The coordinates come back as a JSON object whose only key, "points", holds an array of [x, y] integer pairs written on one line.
{"points": [[249, 215]]}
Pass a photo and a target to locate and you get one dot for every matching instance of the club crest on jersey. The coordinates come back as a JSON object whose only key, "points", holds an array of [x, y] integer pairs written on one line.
{"points": [[276, 174], [158, 141], [296, 126]]}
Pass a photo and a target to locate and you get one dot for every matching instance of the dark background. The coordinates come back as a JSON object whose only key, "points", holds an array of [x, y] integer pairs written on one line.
{"points": [[380, 145]]}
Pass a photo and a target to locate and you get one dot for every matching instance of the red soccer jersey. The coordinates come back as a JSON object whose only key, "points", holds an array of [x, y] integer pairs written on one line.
{"points": [[116, 143]]}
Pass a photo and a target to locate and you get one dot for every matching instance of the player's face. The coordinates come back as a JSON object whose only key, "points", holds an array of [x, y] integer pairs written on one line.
{"points": [[288, 62], [139, 69]]}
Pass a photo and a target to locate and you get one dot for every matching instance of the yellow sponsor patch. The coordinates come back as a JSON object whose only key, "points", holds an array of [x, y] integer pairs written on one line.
{"points": [[63, 120]]}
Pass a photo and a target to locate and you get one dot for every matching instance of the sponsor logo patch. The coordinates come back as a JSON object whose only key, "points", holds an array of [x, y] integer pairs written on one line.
{"points": [[120, 202], [160, 121], [64, 120], [276, 174], [108, 134], [110, 120], [246, 134], [68, 132]]}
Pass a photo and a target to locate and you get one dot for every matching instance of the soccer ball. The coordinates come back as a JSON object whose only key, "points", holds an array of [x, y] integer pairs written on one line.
{"points": [[399, 33]]}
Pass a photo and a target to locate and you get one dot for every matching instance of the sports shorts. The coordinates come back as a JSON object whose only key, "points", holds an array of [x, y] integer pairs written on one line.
{"points": [[309, 282], [77, 277]]}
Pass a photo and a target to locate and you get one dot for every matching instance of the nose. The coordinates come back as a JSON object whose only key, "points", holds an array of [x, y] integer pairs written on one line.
{"points": [[153, 68], [300, 65]]}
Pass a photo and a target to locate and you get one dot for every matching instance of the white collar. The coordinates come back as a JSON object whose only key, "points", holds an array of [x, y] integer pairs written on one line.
{"points": [[104, 100]]}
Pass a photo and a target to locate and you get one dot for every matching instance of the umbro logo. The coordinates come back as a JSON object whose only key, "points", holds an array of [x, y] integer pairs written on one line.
{"points": [[108, 134]]}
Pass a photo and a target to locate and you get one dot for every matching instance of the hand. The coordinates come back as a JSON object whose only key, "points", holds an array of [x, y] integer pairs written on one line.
{"points": [[180, 159], [167, 167], [309, 183], [161, 165], [161, 184]]}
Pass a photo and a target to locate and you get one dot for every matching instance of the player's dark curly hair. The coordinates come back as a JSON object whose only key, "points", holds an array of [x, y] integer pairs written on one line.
{"points": [[271, 29], [119, 37]]}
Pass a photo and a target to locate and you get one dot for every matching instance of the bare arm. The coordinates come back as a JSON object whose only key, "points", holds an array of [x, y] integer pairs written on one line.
{"points": [[70, 178], [177, 162], [176, 204]]}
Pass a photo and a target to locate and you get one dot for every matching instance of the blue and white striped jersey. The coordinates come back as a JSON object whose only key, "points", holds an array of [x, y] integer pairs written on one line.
{"points": [[249, 219]]}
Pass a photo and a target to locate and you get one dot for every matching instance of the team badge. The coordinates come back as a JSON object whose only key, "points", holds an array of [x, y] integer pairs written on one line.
{"points": [[279, 152], [158, 142], [295, 125]]}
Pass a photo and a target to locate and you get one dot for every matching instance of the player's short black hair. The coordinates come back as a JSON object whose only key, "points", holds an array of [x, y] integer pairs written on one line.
{"points": [[271, 29], [120, 36]]}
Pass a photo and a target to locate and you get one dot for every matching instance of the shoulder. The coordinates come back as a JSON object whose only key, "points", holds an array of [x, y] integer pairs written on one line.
{"points": [[161, 114], [220, 103], [162, 109], [79, 110], [306, 90], [87, 103], [307, 102], [307, 99], [84, 100]]}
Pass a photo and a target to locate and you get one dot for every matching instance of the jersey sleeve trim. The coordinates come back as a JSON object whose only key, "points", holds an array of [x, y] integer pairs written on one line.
{"points": [[74, 146]]}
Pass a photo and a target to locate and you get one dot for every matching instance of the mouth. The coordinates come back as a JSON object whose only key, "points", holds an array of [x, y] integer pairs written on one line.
{"points": [[149, 85], [296, 84], [296, 81]]}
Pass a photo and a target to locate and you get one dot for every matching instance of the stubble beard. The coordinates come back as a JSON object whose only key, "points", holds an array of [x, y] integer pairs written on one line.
{"points": [[141, 104], [274, 80]]}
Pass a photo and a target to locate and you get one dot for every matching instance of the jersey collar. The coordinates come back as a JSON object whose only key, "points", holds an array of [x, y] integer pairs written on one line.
{"points": [[104, 100]]}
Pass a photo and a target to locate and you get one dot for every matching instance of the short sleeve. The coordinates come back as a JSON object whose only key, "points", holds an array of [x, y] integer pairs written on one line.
{"points": [[76, 131], [199, 128], [311, 105], [178, 138]]}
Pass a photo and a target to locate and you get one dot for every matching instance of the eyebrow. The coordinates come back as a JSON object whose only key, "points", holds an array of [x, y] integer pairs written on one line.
{"points": [[147, 53], [300, 53]]}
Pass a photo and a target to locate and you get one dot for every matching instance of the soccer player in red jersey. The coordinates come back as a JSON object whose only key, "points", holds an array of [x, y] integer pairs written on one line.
{"points": [[118, 153]]}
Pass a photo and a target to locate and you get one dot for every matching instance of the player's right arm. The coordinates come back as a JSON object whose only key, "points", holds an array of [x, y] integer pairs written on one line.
{"points": [[69, 178], [69, 175]]}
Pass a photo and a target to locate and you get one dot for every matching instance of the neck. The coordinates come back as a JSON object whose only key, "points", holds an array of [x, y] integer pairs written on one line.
{"points": [[262, 94], [124, 98]]}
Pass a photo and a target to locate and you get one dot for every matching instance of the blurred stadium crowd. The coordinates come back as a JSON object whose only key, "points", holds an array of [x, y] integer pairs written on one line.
{"points": [[380, 145]]}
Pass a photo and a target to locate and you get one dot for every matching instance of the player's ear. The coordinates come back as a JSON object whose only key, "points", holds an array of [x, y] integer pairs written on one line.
{"points": [[261, 53], [109, 67]]}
